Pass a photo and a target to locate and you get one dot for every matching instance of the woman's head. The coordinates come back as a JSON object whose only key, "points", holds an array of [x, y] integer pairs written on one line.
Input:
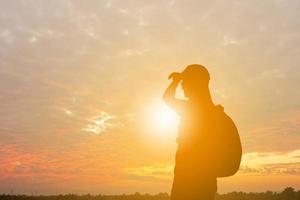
{"points": [[195, 79]]}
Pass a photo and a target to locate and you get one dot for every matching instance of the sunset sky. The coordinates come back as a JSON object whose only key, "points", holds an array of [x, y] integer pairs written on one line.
{"points": [[81, 83]]}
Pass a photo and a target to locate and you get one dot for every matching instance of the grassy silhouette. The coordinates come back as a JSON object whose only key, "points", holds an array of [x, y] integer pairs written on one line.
{"points": [[288, 193]]}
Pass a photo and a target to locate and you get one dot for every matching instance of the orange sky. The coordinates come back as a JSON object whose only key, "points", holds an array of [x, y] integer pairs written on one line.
{"points": [[81, 86]]}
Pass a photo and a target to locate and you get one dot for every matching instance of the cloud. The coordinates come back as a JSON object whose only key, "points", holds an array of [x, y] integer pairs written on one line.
{"points": [[278, 129], [254, 163], [155, 172], [101, 123], [273, 169], [268, 163]]}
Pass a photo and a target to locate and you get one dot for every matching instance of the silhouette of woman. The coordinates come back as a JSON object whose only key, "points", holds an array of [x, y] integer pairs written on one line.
{"points": [[193, 174]]}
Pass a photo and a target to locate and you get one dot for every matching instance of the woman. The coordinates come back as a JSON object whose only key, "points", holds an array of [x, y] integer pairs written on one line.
{"points": [[193, 174]]}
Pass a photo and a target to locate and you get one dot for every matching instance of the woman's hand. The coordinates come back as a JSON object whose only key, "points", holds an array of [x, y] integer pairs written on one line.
{"points": [[169, 95], [175, 76]]}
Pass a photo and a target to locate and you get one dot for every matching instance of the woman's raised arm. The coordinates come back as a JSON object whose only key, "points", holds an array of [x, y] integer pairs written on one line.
{"points": [[169, 94]]}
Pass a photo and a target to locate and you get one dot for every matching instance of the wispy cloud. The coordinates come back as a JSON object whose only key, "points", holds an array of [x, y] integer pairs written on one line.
{"points": [[155, 172], [100, 123], [271, 163], [254, 163]]}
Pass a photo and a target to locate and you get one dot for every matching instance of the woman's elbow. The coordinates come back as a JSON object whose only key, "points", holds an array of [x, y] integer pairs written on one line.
{"points": [[167, 99]]}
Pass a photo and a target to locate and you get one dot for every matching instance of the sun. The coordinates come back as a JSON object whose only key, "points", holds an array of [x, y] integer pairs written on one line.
{"points": [[162, 120], [165, 118]]}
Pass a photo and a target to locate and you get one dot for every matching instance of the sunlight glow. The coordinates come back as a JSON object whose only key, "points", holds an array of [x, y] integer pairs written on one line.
{"points": [[165, 118], [162, 120]]}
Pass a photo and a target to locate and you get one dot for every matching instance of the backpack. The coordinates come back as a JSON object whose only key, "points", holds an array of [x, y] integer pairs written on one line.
{"points": [[225, 144]]}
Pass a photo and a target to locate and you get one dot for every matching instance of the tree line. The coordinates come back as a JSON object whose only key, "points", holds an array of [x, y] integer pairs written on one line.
{"points": [[288, 193]]}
